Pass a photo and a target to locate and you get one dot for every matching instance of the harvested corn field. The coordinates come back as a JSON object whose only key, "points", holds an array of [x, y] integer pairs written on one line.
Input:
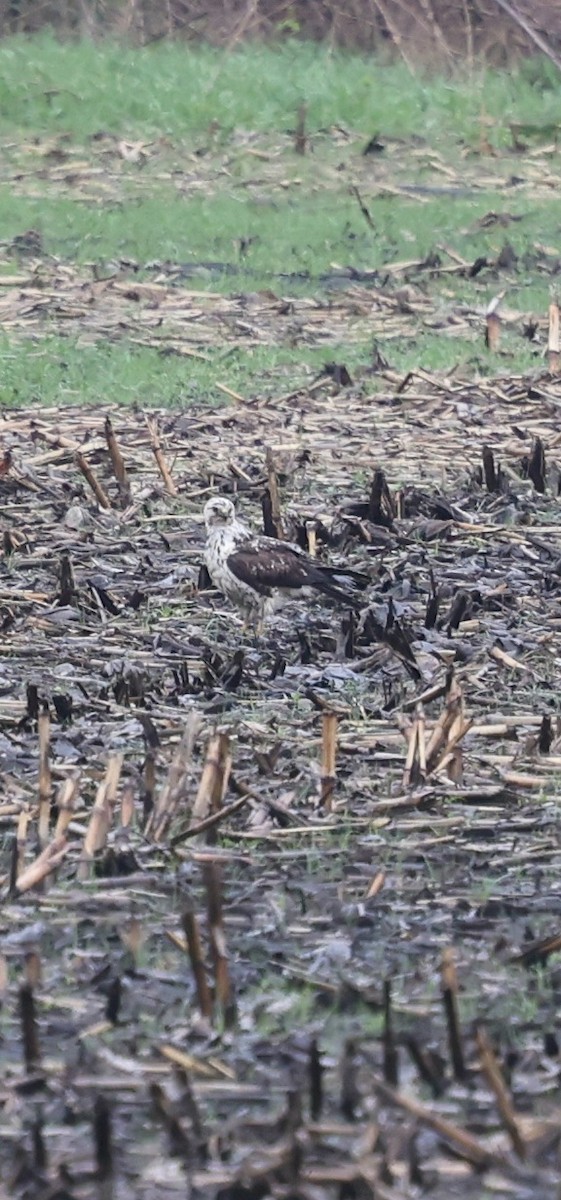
{"points": [[376, 791], [281, 913]]}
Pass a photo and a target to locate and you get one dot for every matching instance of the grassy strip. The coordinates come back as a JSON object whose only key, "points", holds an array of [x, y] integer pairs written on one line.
{"points": [[289, 239], [59, 370], [219, 193], [174, 89]]}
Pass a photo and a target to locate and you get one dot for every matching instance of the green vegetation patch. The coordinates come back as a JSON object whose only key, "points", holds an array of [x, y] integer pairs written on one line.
{"points": [[177, 90], [422, 199]]}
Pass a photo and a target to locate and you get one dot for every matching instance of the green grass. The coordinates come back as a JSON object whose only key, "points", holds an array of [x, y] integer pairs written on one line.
{"points": [[59, 370], [176, 90], [222, 196], [297, 233]]}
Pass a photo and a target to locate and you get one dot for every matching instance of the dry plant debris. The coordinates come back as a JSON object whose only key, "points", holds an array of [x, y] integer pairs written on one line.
{"points": [[198, 829], [281, 917]]}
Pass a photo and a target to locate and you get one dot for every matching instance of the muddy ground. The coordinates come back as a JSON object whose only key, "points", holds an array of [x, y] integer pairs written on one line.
{"points": [[340, 902]]}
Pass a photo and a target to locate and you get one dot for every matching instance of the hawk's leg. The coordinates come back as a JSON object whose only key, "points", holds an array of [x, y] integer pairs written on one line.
{"points": [[255, 616]]}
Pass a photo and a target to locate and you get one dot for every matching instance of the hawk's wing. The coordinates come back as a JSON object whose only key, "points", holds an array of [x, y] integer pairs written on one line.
{"points": [[264, 564]]}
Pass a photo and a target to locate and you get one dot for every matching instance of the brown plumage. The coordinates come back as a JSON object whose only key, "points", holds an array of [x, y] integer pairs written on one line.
{"points": [[249, 569]]}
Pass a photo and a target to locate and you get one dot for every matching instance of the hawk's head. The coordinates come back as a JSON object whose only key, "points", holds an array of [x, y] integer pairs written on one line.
{"points": [[219, 512]]}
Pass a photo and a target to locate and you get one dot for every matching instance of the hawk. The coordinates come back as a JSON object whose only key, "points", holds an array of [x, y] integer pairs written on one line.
{"points": [[250, 569]]}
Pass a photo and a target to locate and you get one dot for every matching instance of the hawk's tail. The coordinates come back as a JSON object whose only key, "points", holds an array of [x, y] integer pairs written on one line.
{"points": [[356, 580], [342, 585]]}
